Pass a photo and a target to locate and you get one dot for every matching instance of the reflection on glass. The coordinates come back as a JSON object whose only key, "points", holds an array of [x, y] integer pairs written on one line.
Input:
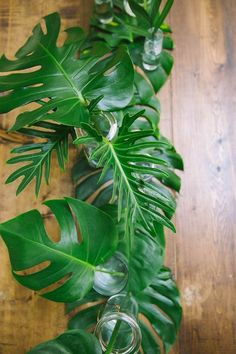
{"points": [[152, 50], [117, 329], [111, 277], [104, 10], [106, 124]]}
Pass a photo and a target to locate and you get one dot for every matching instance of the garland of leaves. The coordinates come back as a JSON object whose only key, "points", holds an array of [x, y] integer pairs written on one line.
{"points": [[91, 74]]}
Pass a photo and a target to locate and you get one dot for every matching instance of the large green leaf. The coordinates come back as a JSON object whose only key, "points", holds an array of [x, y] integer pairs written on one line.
{"points": [[147, 203], [60, 83], [37, 156], [71, 262], [136, 243], [125, 28], [100, 193], [160, 313], [70, 342], [135, 252]]}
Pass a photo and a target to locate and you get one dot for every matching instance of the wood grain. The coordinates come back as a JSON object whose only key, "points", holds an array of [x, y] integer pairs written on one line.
{"points": [[26, 319], [198, 106], [204, 131]]}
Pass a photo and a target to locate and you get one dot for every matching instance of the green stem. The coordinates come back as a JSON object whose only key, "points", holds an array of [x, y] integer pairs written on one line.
{"points": [[113, 338], [145, 4], [116, 274]]}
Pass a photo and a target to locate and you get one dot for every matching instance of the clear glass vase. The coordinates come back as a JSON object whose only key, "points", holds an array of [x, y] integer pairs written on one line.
{"points": [[104, 10], [111, 277], [152, 49], [118, 330], [106, 124]]}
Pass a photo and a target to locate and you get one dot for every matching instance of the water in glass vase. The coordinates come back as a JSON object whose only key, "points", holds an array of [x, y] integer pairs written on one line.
{"points": [[117, 330], [104, 10], [152, 50], [111, 277], [107, 125]]}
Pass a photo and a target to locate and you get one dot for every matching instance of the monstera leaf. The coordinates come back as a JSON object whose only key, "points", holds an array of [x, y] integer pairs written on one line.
{"points": [[37, 155], [147, 204], [70, 342], [61, 84], [70, 264], [88, 185], [144, 100], [159, 313], [134, 29]]}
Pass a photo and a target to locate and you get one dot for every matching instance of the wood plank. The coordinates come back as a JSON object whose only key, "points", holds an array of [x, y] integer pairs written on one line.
{"points": [[204, 132], [199, 108], [26, 319]]}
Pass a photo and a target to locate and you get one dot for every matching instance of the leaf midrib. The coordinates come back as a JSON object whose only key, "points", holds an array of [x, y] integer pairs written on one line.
{"points": [[133, 197], [41, 161], [62, 254], [61, 69]]}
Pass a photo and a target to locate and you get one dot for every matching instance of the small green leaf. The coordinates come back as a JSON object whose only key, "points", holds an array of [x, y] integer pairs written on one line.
{"points": [[37, 156]]}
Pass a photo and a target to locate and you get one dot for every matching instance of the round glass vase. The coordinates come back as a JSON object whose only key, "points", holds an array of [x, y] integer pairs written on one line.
{"points": [[117, 330], [111, 277], [152, 49], [104, 10], [106, 124]]}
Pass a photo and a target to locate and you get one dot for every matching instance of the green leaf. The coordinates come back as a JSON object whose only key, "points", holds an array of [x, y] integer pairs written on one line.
{"points": [[160, 304], [139, 264], [146, 201], [70, 342], [133, 156], [160, 312], [155, 6], [71, 263], [144, 100], [143, 19], [160, 18], [37, 156], [159, 76], [62, 84], [88, 185]]}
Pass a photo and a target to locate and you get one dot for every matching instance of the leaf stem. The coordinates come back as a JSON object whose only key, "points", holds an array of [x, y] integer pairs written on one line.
{"points": [[113, 337], [117, 274]]}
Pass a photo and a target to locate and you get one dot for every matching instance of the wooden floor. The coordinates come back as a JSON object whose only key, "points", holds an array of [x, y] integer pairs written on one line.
{"points": [[199, 115]]}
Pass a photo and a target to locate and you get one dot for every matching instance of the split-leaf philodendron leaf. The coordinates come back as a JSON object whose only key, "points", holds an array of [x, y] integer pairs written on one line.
{"points": [[159, 313], [71, 263], [70, 342], [133, 29], [61, 84], [148, 203], [38, 155]]}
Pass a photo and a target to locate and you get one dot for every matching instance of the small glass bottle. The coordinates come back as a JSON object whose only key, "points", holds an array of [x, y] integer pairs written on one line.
{"points": [[152, 50], [104, 10], [117, 330], [106, 124], [111, 277]]}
